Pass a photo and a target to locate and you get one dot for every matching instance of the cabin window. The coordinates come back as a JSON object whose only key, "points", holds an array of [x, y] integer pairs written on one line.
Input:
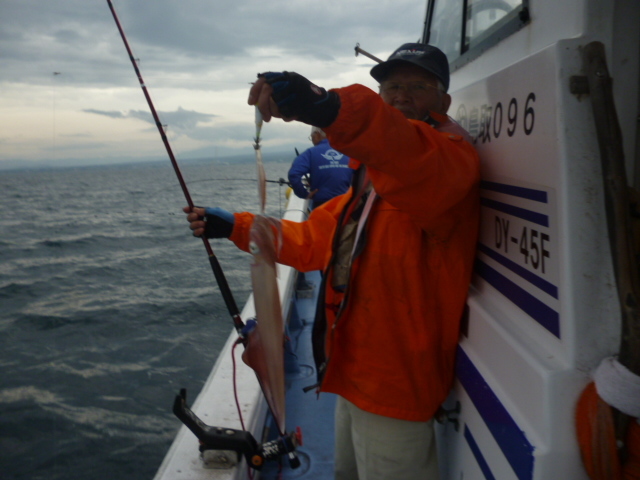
{"points": [[463, 29]]}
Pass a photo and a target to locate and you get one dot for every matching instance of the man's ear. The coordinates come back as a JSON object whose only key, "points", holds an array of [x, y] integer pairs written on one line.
{"points": [[446, 103]]}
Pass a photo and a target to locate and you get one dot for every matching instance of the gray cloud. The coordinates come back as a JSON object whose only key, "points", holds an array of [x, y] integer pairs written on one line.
{"points": [[107, 114], [79, 38], [191, 49], [181, 120]]}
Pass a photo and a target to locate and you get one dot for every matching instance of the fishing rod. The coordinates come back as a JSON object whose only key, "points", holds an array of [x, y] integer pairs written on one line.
{"points": [[212, 437], [213, 260]]}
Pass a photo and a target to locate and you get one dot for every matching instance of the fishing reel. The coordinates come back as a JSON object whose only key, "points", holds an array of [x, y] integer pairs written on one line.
{"points": [[239, 441]]}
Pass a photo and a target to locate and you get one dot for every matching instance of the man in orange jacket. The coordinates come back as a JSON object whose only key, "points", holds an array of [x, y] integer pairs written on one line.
{"points": [[397, 252]]}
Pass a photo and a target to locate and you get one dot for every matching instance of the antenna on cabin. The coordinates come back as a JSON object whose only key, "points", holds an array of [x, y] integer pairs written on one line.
{"points": [[366, 54]]}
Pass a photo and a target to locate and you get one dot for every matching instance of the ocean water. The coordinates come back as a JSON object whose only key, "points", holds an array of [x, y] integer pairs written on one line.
{"points": [[108, 307]]}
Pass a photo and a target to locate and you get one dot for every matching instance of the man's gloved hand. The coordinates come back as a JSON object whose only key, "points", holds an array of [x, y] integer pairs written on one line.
{"points": [[210, 222], [298, 98], [218, 223]]}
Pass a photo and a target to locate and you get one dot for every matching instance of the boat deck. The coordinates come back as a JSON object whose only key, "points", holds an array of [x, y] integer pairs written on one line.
{"points": [[312, 413]]}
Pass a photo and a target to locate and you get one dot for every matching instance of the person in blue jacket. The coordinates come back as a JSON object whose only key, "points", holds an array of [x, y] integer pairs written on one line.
{"points": [[328, 170]]}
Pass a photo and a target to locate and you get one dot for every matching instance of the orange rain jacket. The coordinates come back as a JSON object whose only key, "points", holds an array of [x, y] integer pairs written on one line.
{"points": [[392, 349]]}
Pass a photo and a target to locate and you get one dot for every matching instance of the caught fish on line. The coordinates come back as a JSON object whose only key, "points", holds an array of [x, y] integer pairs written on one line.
{"points": [[262, 177], [264, 347]]}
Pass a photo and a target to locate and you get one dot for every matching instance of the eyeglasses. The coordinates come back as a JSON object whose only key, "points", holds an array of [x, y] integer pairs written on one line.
{"points": [[415, 89]]}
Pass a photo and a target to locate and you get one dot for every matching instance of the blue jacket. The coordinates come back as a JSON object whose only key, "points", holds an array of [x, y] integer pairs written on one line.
{"points": [[328, 170]]}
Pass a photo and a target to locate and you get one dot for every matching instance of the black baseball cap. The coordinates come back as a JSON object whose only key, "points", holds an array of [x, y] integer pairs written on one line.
{"points": [[428, 57]]}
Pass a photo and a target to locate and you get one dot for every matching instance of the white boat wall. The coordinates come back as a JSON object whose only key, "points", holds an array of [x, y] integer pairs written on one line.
{"points": [[543, 305]]}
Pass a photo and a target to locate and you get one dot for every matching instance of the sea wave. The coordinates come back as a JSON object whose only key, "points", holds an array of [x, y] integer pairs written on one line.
{"points": [[29, 393], [108, 308]]}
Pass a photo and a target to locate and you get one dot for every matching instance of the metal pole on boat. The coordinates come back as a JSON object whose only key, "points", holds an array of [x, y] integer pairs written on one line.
{"points": [[213, 260], [618, 210]]}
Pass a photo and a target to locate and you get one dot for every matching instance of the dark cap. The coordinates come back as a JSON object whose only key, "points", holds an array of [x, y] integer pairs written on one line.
{"points": [[425, 56]]}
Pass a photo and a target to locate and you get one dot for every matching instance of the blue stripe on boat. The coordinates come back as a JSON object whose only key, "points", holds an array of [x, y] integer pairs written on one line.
{"points": [[475, 449], [539, 311], [528, 215], [530, 277], [511, 440], [522, 192]]}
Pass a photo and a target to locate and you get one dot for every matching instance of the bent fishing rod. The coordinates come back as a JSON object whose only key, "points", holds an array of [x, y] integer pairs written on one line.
{"points": [[213, 260]]}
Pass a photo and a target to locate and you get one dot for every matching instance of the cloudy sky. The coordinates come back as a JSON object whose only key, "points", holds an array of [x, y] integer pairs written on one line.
{"points": [[69, 95]]}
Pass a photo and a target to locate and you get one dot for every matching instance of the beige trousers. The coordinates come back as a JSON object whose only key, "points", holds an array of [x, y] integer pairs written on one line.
{"points": [[373, 447]]}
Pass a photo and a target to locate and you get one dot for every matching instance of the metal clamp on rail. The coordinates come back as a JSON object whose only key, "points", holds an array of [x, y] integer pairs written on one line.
{"points": [[444, 416], [239, 441]]}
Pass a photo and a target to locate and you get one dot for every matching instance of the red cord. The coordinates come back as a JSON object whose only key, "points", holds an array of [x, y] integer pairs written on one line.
{"points": [[235, 388], [235, 395]]}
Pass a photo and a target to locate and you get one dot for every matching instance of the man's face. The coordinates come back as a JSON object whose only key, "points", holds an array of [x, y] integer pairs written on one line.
{"points": [[414, 92]]}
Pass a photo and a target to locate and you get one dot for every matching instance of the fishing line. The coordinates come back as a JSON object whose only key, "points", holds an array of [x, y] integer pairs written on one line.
{"points": [[281, 182], [213, 260]]}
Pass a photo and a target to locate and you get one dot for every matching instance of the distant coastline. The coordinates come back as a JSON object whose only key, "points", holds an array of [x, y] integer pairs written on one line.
{"points": [[21, 165]]}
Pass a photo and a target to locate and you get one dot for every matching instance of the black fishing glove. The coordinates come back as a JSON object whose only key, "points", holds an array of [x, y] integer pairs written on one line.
{"points": [[298, 97], [218, 223]]}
